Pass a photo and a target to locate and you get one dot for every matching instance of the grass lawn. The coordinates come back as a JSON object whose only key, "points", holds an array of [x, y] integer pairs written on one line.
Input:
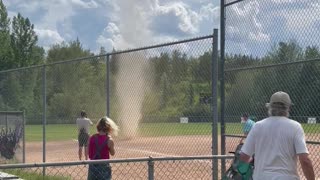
{"points": [[69, 131], [54, 132], [33, 175]]}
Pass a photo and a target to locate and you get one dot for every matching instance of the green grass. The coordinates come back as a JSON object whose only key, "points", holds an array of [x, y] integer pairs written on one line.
{"points": [[33, 175], [55, 132], [174, 129], [69, 131]]}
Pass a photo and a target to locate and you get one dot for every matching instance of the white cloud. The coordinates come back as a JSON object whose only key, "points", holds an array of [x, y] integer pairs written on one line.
{"points": [[259, 37], [253, 27], [244, 29], [105, 42], [91, 4], [128, 24], [112, 28], [187, 20], [282, 1], [148, 22], [129, 29], [48, 37], [54, 16], [210, 11]]}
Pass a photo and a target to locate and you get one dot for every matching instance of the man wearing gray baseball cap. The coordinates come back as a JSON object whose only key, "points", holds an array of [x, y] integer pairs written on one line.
{"points": [[277, 143]]}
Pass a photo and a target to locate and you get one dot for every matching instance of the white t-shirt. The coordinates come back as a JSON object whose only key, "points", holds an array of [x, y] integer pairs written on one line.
{"points": [[84, 123], [275, 143]]}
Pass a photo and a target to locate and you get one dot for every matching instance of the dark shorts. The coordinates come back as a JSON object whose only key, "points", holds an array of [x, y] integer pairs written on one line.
{"points": [[83, 139], [99, 172]]}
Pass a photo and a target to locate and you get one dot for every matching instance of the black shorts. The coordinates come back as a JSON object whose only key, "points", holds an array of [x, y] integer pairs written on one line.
{"points": [[99, 171], [83, 139]]}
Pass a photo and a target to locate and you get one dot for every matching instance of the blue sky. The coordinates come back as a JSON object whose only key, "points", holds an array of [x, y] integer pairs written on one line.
{"points": [[253, 26], [117, 23]]}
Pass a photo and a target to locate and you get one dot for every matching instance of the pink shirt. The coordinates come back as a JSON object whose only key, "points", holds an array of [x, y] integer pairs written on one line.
{"points": [[104, 153]]}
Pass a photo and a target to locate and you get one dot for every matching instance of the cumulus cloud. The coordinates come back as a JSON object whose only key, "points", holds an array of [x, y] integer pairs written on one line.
{"points": [[83, 4], [144, 22], [175, 18], [209, 11], [126, 30], [53, 18], [244, 30], [48, 37], [253, 27], [245, 23], [152, 22]]}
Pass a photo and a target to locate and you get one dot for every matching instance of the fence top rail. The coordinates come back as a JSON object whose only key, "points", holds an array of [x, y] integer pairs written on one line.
{"points": [[161, 45], [54, 63], [130, 160], [11, 112], [108, 54], [271, 65], [231, 3]]}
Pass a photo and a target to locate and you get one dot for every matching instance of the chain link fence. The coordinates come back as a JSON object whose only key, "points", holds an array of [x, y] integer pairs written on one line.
{"points": [[192, 167], [160, 96], [271, 46]]}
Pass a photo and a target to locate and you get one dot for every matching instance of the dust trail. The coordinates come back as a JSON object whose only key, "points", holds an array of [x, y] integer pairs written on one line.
{"points": [[130, 88], [131, 82]]}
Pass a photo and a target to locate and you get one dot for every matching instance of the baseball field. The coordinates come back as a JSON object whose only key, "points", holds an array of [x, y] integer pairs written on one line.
{"points": [[152, 139]]}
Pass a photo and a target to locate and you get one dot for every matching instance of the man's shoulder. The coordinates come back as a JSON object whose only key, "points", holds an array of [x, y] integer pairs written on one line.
{"points": [[281, 121], [294, 123]]}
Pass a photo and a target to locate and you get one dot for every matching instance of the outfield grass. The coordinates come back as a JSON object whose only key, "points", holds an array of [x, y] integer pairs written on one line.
{"points": [[69, 131], [54, 132], [26, 175]]}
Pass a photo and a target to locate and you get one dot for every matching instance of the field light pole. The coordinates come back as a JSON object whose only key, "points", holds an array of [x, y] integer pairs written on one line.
{"points": [[214, 103]]}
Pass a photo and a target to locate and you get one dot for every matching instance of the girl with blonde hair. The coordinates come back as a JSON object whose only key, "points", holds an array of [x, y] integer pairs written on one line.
{"points": [[101, 146]]}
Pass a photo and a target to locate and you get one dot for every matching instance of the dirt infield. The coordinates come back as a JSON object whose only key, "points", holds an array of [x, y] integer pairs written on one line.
{"points": [[63, 151], [125, 148]]}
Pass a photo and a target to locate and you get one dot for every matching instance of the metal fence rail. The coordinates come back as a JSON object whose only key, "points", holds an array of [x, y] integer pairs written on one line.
{"points": [[188, 167]]}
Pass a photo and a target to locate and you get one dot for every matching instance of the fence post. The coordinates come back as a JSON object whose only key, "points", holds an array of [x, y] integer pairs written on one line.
{"points": [[6, 123], [44, 120], [150, 169], [24, 138], [108, 85], [214, 103], [222, 95]]}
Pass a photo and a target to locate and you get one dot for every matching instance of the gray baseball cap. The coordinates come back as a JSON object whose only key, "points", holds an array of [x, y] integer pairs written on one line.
{"points": [[280, 97]]}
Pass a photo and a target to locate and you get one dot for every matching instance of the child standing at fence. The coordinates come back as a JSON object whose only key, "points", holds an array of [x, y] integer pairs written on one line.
{"points": [[101, 146]]}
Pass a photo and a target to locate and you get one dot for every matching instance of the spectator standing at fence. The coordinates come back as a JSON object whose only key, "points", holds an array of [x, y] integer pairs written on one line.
{"points": [[277, 143], [101, 146], [83, 124], [247, 125]]}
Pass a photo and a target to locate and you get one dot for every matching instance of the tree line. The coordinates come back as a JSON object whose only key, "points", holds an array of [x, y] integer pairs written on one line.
{"points": [[177, 80]]}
